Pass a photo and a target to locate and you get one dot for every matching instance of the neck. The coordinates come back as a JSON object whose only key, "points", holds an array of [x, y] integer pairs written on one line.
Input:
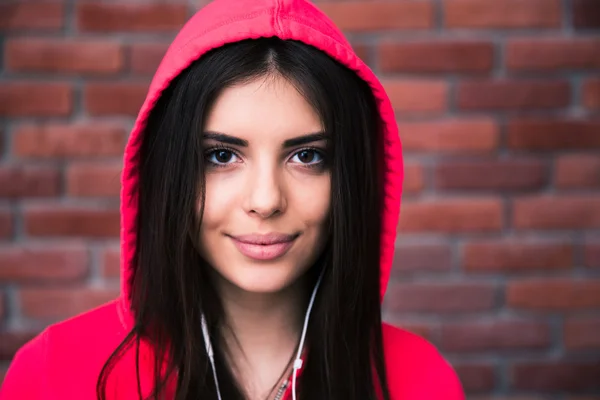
{"points": [[262, 320], [262, 332]]}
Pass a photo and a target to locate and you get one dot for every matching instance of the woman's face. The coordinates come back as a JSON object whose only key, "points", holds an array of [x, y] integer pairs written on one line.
{"points": [[267, 186]]}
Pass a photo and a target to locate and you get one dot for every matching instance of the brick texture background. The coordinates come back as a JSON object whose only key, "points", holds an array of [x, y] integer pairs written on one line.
{"points": [[498, 102]]}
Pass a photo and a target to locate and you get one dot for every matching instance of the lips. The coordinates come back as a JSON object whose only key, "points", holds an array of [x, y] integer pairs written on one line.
{"points": [[263, 247]]}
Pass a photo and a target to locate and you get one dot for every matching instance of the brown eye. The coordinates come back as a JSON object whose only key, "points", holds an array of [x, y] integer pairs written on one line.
{"points": [[221, 157], [308, 157]]}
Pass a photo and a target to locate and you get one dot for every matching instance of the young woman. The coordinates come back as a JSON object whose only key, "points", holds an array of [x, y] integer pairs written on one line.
{"points": [[261, 192]]}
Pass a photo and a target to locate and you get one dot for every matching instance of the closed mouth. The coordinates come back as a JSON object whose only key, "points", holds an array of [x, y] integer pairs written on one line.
{"points": [[264, 247], [265, 239]]}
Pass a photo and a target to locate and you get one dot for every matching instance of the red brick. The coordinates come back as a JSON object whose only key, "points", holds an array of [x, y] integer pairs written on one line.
{"points": [[56, 220], [592, 253], [578, 171], [564, 212], [44, 264], [554, 294], [436, 56], [475, 377], [422, 257], [552, 134], [6, 224], [103, 17], [63, 56], [29, 99], [453, 215], [494, 335], [79, 140], [591, 94], [582, 333], [11, 341], [114, 98], [145, 57], [111, 263], [512, 94], [418, 97], [413, 178], [553, 54], [60, 303], [94, 179], [29, 181], [32, 16], [502, 14], [379, 15], [586, 14], [517, 255], [475, 135], [555, 376], [490, 174], [440, 298]]}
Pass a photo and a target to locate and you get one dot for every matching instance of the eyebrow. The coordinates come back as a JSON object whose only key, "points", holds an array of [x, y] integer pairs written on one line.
{"points": [[221, 137], [235, 141]]}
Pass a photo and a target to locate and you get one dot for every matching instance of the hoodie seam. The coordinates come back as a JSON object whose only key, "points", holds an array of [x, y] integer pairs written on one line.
{"points": [[276, 18], [310, 26], [222, 23]]}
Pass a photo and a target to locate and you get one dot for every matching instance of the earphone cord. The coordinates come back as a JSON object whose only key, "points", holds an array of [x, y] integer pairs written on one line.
{"points": [[297, 362], [210, 352]]}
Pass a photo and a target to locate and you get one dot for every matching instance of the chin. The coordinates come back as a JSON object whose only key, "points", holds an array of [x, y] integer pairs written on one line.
{"points": [[263, 279]]}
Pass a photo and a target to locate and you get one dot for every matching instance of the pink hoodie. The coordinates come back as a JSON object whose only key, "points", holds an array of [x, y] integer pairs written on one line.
{"points": [[64, 361]]}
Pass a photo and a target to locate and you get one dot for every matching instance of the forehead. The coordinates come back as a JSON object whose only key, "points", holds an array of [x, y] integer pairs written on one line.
{"points": [[267, 107]]}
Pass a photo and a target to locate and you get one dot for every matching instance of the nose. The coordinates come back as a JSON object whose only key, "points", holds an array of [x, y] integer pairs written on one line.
{"points": [[265, 195]]}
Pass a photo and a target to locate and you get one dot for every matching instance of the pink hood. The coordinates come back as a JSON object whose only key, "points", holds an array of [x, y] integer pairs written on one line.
{"points": [[227, 21], [64, 361]]}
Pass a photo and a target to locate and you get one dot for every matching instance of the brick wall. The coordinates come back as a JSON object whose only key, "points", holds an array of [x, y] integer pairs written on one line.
{"points": [[498, 103]]}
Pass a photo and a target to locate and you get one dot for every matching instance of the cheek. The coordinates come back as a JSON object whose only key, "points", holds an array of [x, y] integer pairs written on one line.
{"points": [[218, 202], [314, 200]]}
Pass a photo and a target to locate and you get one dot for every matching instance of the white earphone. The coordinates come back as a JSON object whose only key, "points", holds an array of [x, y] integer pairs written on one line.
{"points": [[298, 361], [210, 352]]}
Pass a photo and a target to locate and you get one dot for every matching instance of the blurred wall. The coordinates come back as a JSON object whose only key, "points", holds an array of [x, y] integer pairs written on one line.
{"points": [[498, 102]]}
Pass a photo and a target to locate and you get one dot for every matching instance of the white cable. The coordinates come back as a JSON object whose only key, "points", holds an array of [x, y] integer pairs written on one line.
{"points": [[298, 361], [210, 352]]}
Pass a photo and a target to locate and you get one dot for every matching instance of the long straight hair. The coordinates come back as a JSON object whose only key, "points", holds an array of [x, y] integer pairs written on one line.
{"points": [[171, 283]]}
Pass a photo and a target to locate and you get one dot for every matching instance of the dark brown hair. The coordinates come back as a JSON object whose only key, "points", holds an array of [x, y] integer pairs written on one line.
{"points": [[171, 284]]}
